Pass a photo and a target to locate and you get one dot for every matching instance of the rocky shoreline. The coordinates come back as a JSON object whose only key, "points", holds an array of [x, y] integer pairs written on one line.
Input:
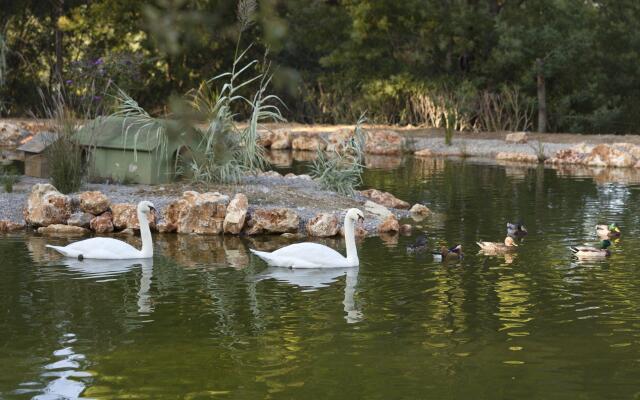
{"points": [[292, 206]]}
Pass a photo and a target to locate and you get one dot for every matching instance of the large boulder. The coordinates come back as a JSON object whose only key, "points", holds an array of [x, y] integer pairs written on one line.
{"points": [[389, 224], [323, 225], [604, 155], [273, 220], [308, 143], [236, 214], [94, 202], [59, 229], [11, 134], [384, 142], [125, 216], [46, 206], [103, 223], [420, 209], [376, 209], [279, 139], [10, 226], [566, 156], [427, 153], [338, 140], [81, 219], [630, 148], [516, 137], [202, 213], [384, 198], [170, 217]]}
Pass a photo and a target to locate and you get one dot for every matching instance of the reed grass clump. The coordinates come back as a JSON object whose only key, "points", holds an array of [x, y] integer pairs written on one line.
{"points": [[341, 171]]}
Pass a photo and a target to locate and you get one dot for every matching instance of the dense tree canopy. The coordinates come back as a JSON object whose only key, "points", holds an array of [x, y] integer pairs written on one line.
{"points": [[333, 59]]}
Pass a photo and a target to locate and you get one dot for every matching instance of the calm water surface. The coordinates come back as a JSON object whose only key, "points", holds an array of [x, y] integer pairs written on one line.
{"points": [[204, 320]]}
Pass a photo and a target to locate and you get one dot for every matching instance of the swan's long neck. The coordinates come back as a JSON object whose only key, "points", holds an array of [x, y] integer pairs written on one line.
{"points": [[350, 239], [145, 233]]}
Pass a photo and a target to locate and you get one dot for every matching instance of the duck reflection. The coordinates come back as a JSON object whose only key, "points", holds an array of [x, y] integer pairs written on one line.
{"points": [[314, 279]]}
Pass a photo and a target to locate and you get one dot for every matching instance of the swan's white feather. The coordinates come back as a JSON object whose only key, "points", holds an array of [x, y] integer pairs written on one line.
{"points": [[304, 255], [101, 248]]}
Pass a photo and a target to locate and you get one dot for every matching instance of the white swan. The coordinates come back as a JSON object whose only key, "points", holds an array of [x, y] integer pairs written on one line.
{"points": [[314, 255], [112, 249]]}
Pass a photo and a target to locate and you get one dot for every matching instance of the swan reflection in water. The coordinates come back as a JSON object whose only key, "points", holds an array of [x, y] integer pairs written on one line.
{"points": [[105, 269], [317, 278]]}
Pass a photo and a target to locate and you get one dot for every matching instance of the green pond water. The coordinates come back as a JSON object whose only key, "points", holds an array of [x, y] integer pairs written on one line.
{"points": [[205, 320]]}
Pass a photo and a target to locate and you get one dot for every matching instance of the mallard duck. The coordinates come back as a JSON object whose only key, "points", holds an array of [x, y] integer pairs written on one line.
{"points": [[608, 231], [583, 252], [419, 245], [451, 253], [517, 230], [496, 247]]}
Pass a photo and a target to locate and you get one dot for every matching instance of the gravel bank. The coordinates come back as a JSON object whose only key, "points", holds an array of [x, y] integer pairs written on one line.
{"points": [[482, 147], [302, 195]]}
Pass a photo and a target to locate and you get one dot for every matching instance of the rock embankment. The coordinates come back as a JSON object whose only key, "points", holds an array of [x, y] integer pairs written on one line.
{"points": [[50, 212]]}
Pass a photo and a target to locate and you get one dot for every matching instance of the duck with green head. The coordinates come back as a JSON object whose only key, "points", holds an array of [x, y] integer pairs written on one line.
{"points": [[586, 252], [451, 253], [608, 231]]}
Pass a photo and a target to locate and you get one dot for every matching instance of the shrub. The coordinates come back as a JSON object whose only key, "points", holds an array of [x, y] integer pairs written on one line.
{"points": [[342, 171]]}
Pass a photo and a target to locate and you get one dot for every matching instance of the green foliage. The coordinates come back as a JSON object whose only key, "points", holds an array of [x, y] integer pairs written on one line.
{"points": [[341, 171], [399, 60], [8, 178]]}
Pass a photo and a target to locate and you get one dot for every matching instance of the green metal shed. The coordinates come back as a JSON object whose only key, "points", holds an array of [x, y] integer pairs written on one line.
{"points": [[125, 150]]}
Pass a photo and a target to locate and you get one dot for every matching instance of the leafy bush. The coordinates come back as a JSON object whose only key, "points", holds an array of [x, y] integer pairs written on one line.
{"points": [[8, 178], [341, 171]]}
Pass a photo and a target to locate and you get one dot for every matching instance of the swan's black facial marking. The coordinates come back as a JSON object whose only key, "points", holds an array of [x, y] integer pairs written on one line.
{"points": [[80, 257]]}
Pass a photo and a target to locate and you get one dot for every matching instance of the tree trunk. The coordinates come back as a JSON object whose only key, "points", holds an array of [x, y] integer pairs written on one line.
{"points": [[58, 41], [542, 97]]}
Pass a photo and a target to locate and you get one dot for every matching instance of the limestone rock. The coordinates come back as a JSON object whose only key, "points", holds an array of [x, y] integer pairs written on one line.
{"points": [[338, 140], [424, 153], [406, 229], [604, 155], [273, 174], [517, 137], [170, 217], [273, 220], [323, 225], [103, 223], [566, 156], [384, 198], [125, 215], [236, 214], [517, 157], [359, 231], [11, 134], [390, 224], [630, 148], [384, 142], [279, 139], [10, 226], [583, 147], [46, 206], [308, 143], [420, 209], [81, 219], [62, 229], [202, 213], [376, 209], [94, 202]]}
